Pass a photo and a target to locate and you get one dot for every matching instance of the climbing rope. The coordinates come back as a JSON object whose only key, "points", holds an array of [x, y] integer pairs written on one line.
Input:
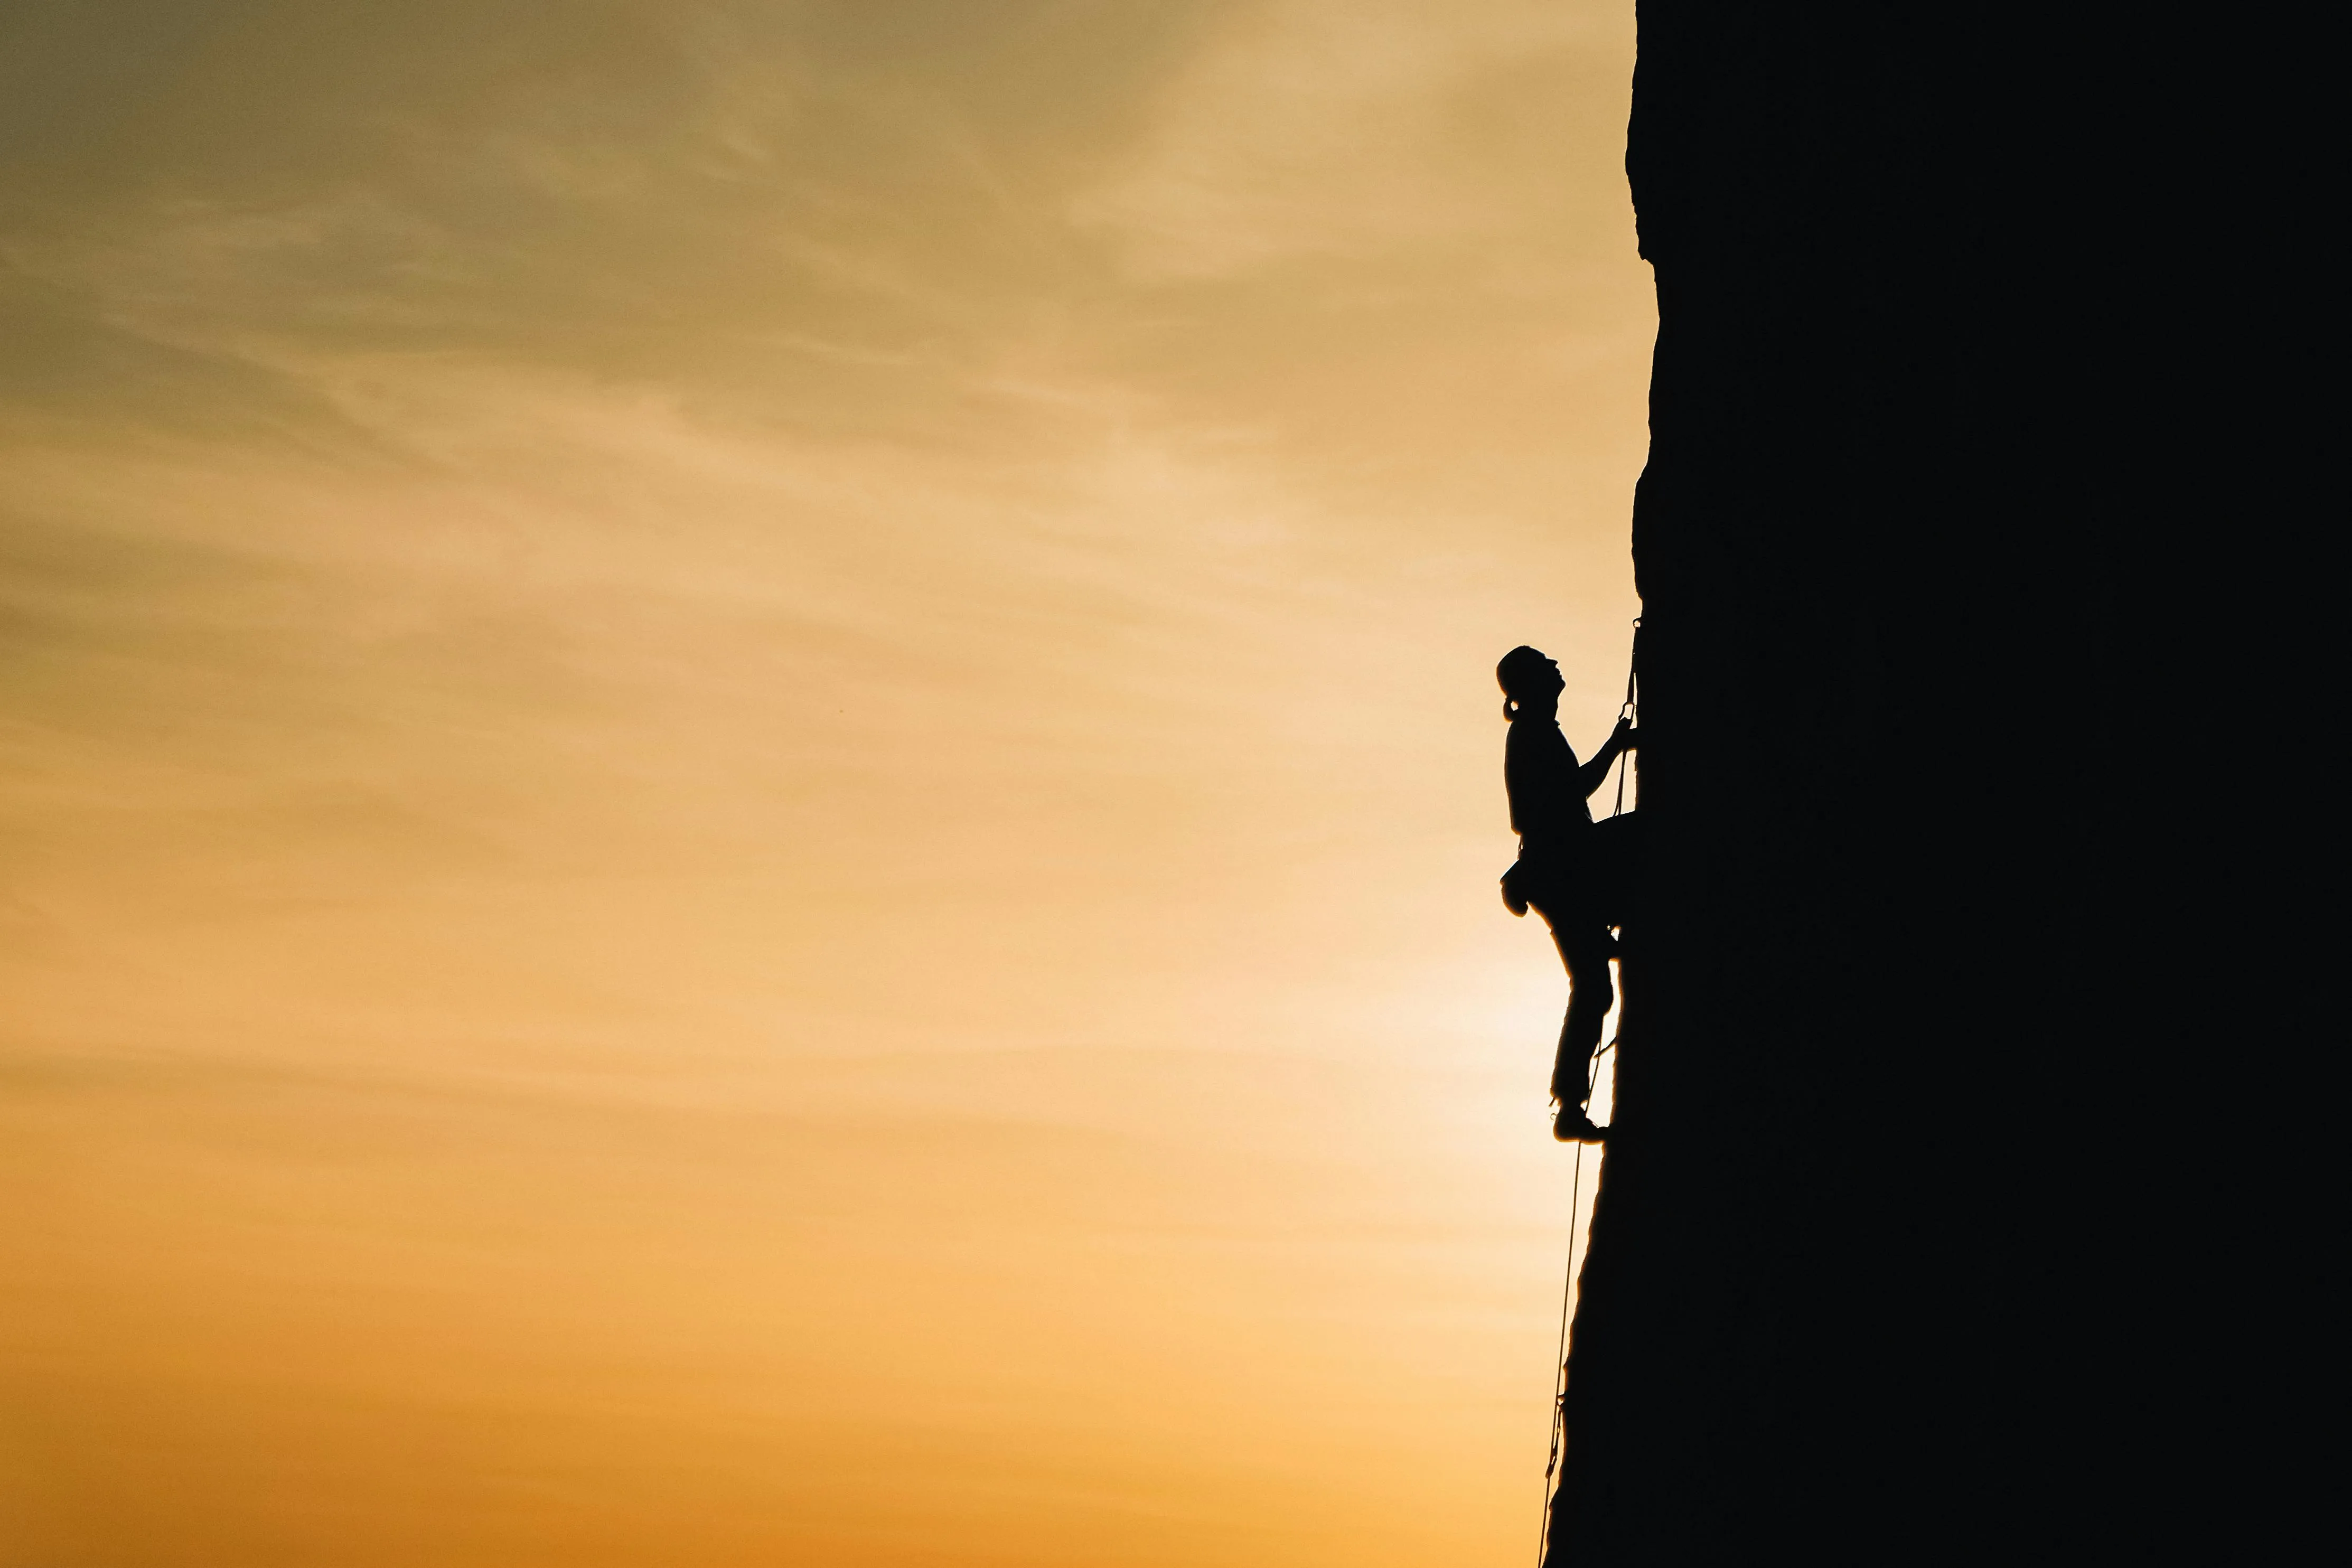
{"points": [[1630, 709], [1559, 1356]]}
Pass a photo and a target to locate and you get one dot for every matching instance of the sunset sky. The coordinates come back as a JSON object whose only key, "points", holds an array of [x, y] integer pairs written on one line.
{"points": [[752, 782]]}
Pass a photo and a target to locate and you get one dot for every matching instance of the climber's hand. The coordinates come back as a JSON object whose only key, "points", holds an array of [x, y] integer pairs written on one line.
{"points": [[1624, 735]]}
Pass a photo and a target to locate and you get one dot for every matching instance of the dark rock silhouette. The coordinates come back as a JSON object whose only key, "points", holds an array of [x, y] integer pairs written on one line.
{"points": [[1875, 1268]]}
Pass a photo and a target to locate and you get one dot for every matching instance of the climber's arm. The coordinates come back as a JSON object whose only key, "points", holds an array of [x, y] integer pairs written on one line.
{"points": [[1595, 773]]}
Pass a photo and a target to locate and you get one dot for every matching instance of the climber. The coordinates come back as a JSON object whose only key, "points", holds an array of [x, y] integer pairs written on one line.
{"points": [[1569, 871]]}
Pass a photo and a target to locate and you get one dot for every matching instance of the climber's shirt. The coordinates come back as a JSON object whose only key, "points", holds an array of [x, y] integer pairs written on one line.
{"points": [[1547, 808]]}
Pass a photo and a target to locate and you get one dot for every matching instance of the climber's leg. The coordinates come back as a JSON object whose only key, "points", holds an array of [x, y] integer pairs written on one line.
{"points": [[1583, 944], [1590, 994]]}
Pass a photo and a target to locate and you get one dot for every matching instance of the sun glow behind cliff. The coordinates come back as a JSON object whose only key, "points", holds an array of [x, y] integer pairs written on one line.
{"points": [[753, 789]]}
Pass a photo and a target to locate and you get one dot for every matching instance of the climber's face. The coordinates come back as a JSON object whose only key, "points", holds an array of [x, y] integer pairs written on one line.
{"points": [[1529, 678], [1539, 681]]}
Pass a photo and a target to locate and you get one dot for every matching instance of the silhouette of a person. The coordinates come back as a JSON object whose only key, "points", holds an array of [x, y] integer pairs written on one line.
{"points": [[1569, 871]]}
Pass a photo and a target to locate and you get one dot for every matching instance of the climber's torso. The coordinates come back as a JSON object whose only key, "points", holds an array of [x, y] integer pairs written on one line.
{"points": [[1547, 808]]}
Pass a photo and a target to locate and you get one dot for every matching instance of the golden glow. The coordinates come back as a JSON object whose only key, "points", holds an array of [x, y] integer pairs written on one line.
{"points": [[751, 785]]}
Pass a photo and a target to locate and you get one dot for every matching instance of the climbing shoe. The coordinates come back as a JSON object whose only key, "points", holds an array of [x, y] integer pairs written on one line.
{"points": [[1573, 1127]]}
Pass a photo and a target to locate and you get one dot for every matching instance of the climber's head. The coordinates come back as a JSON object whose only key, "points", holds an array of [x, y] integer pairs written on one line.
{"points": [[1530, 682]]}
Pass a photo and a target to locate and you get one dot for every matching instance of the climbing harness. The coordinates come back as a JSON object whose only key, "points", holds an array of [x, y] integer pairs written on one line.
{"points": [[1630, 709]]}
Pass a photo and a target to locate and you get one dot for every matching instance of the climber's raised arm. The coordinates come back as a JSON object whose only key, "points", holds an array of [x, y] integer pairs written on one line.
{"points": [[1593, 775]]}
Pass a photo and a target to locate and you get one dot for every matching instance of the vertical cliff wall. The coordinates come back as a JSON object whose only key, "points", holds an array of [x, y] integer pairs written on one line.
{"points": [[1884, 1037]]}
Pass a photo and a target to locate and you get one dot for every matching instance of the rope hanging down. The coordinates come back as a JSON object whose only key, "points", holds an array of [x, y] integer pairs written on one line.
{"points": [[1559, 1356]]}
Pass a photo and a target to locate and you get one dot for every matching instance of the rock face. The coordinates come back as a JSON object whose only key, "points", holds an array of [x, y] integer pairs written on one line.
{"points": [[1884, 1040]]}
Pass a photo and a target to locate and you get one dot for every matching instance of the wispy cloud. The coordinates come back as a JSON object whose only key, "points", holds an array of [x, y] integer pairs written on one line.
{"points": [[1340, 128]]}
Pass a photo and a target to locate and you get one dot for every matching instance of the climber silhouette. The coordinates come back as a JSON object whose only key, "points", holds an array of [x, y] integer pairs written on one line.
{"points": [[1575, 872]]}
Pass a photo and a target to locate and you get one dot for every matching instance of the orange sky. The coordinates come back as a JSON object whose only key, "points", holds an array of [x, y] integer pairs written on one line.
{"points": [[751, 785]]}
